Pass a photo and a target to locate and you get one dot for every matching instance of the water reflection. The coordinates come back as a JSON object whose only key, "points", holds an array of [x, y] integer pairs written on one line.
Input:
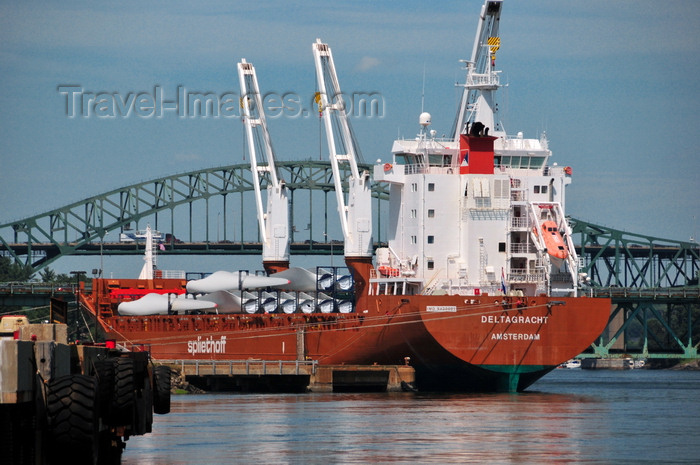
{"points": [[365, 428], [639, 416]]}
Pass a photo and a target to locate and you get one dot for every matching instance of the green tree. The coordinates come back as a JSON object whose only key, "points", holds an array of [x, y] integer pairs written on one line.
{"points": [[64, 278], [14, 271], [48, 275]]}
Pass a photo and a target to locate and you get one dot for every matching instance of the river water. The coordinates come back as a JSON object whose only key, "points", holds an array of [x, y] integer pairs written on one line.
{"points": [[568, 417]]}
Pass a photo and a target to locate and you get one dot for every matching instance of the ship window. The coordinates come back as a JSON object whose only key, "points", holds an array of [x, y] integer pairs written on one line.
{"points": [[431, 264], [431, 239], [413, 213], [431, 213], [501, 246], [536, 162], [483, 202], [537, 189], [413, 239], [414, 187], [400, 159], [543, 189], [431, 186], [435, 160]]}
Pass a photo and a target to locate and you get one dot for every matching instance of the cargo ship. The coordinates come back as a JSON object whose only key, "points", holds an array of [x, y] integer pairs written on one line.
{"points": [[478, 287]]}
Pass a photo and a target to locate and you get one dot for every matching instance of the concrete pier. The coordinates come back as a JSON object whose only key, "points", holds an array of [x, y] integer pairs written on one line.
{"points": [[357, 378], [292, 376]]}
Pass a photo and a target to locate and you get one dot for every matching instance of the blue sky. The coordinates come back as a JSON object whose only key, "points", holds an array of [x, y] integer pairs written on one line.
{"points": [[614, 84]]}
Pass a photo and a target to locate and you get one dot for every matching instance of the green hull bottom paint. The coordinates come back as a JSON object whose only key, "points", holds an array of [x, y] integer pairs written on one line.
{"points": [[480, 378], [513, 378]]}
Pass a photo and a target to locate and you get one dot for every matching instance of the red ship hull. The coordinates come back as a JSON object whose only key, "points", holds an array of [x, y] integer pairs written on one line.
{"points": [[466, 343]]}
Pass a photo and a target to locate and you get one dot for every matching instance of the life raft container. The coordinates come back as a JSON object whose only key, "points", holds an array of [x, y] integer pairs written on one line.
{"points": [[388, 271]]}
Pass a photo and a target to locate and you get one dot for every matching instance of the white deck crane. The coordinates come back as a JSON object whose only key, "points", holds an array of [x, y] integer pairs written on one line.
{"points": [[356, 213], [274, 222], [478, 96]]}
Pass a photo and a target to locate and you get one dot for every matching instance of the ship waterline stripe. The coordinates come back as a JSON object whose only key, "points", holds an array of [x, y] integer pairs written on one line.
{"points": [[515, 369]]}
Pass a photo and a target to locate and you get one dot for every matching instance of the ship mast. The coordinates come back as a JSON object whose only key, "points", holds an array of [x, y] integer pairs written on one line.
{"points": [[149, 256], [482, 80], [356, 213], [274, 221]]}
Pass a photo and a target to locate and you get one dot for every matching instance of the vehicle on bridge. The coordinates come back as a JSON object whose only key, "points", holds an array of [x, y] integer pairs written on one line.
{"points": [[132, 235]]}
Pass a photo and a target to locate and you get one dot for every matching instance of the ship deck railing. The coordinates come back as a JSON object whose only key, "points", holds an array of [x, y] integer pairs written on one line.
{"points": [[523, 247], [170, 274], [518, 275], [392, 285], [517, 196], [421, 168], [248, 367], [520, 222], [486, 80], [517, 142]]}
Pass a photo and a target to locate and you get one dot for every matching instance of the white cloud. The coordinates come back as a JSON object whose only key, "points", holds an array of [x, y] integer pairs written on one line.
{"points": [[367, 63]]}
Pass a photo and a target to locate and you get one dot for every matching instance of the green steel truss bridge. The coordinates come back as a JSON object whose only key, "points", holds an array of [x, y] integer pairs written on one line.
{"points": [[653, 281]]}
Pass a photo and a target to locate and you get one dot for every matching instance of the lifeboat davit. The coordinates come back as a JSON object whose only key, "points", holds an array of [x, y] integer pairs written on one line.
{"points": [[556, 247]]}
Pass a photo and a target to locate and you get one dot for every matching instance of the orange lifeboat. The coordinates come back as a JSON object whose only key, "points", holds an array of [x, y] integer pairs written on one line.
{"points": [[553, 240]]}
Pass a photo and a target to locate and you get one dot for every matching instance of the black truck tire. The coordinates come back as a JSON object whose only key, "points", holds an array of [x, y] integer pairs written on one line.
{"points": [[122, 410], [72, 416], [161, 391], [104, 371]]}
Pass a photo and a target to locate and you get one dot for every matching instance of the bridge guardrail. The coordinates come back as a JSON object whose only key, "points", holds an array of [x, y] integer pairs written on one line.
{"points": [[653, 293], [37, 288]]}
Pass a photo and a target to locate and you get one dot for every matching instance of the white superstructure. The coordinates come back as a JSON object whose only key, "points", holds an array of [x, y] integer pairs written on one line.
{"points": [[481, 212]]}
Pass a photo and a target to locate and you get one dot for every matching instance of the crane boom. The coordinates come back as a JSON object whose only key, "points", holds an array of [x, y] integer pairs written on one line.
{"points": [[477, 103], [274, 221], [356, 213]]}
